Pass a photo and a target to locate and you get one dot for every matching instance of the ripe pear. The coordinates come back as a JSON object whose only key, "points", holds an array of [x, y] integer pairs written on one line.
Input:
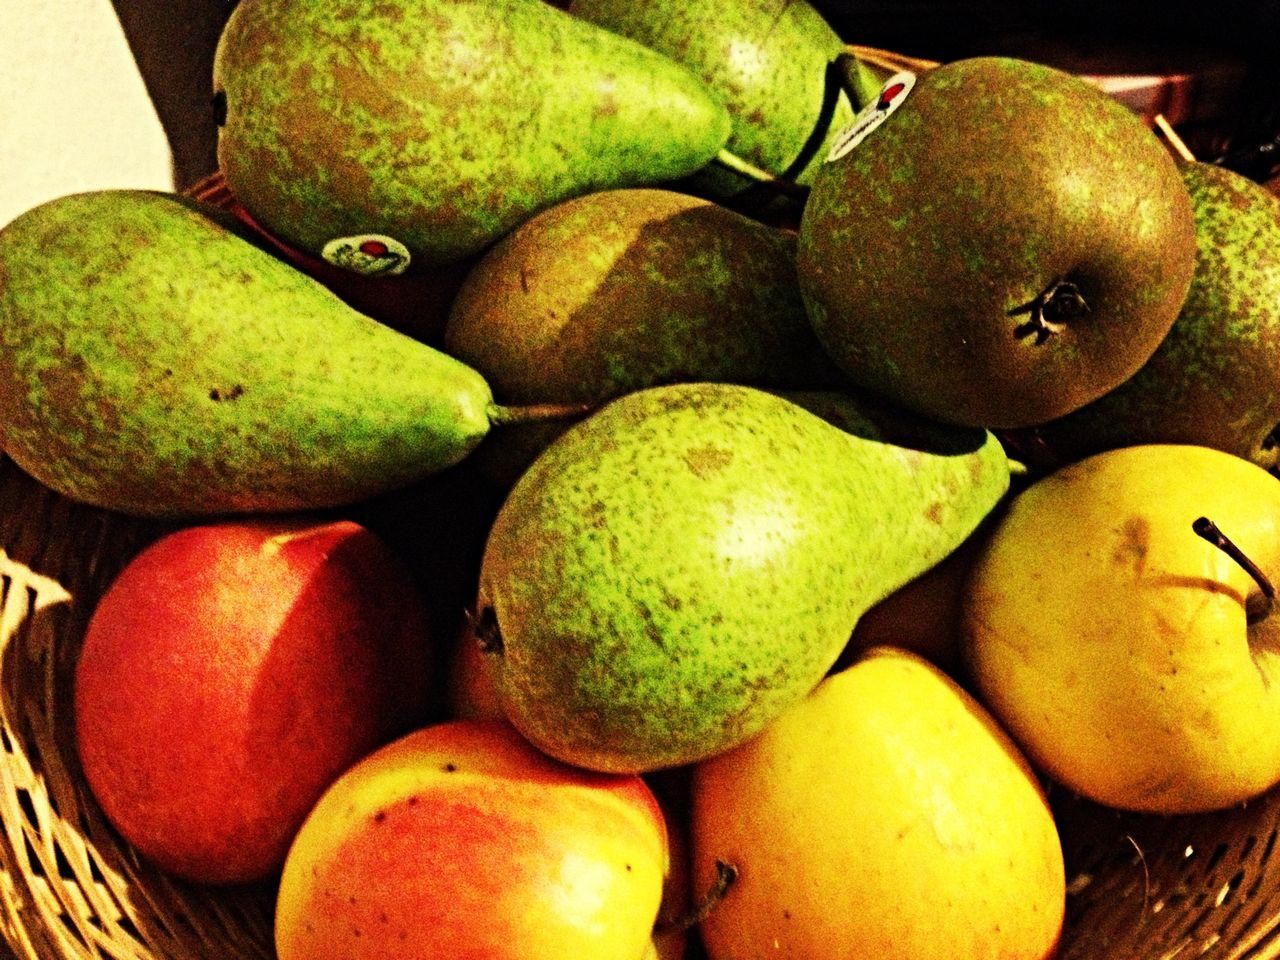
{"points": [[687, 562], [1008, 244], [885, 815], [424, 129], [155, 361], [1215, 379], [630, 288], [770, 61]]}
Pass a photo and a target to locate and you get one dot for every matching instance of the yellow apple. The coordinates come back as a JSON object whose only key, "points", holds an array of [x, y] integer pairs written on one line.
{"points": [[885, 816], [1133, 661], [460, 841]]}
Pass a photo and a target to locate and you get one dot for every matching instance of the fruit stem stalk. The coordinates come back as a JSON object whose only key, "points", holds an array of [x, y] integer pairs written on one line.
{"points": [[501, 415], [726, 874], [737, 164], [1206, 529]]}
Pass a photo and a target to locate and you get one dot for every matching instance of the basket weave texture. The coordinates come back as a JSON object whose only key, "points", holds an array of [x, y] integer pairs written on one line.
{"points": [[1139, 887]]}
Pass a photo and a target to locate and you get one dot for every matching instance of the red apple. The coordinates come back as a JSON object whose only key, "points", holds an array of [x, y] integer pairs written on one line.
{"points": [[460, 841], [230, 673]]}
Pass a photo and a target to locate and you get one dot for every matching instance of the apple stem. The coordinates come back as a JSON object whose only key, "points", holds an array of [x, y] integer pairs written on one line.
{"points": [[726, 874], [726, 158], [1206, 529]]}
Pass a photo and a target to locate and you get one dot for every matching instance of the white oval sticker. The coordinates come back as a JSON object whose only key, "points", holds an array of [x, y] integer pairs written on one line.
{"points": [[892, 95], [370, 254]]}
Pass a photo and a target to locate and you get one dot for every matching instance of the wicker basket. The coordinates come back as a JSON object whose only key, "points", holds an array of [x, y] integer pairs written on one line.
{"points": [[1139, 887]]}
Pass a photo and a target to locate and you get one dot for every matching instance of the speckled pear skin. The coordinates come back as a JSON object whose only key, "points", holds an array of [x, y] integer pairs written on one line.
{"points": [[680, 567], [443, 123], [1215, 379], [156, 362], [923, 247], [624, 289], [767, 59]]}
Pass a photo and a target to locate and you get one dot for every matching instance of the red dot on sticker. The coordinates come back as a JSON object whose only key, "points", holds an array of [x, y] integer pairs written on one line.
{"points": [[374, 248], [889, 94]]}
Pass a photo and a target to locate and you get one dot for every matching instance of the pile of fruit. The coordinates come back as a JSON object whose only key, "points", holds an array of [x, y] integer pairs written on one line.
{"points": [[821, 461]]}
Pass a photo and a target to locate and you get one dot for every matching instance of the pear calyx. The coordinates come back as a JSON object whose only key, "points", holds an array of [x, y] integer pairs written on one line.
{"points": [[1050, 310], [1206, 529], [484, 626]]}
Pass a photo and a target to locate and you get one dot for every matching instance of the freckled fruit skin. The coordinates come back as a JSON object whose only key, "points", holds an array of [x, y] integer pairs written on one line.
{"points": [[677, 569], [230, 673], [886, 815], [155, 361], [767, 59], [1114, 643], [461, 842], [624, 289], [443, 123], [1215, 379], [994, 179]]}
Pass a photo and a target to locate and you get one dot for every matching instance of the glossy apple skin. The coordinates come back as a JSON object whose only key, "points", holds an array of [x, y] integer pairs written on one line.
{"points": [[462, 841], [885, 816], [1114, 643], [229, 674]]}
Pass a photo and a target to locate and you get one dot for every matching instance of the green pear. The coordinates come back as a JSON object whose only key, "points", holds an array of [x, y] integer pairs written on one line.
{"points": [[425, 129], [770, 61], [995, 243], [687, 562], [155, 361], [1215, 379], [622, 289]]}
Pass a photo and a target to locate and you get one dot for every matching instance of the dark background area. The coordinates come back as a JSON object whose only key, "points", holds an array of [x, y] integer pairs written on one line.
{"points": [[1239, 120]]}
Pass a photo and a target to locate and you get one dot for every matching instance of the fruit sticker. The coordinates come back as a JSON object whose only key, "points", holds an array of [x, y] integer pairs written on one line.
{"points": [[892, 95], [370, 254]]}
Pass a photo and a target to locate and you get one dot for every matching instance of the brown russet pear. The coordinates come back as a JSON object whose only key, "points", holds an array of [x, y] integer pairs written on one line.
{"points": [[996, 243], [1215, 379], [630, 288]]}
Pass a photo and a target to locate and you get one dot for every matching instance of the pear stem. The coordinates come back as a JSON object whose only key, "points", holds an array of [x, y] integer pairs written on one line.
{"points": [[737, 164], [846, 67], [726, 874], [501, 415], [1206, 529], [1176, 142]]}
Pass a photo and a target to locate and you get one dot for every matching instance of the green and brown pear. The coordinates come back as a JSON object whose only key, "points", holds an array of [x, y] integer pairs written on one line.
{"points": [[1008, 244], [383, 133], [155, 360], [770, 61], [1215, 379], [623, 289], [678, 568]]}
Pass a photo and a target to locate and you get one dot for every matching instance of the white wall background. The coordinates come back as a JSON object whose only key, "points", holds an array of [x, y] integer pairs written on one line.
{"points": [[74, 114]]}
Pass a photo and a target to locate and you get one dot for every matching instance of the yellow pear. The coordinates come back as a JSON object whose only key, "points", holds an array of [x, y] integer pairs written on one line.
{"points": [[1132, 660], [884, 816]]}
